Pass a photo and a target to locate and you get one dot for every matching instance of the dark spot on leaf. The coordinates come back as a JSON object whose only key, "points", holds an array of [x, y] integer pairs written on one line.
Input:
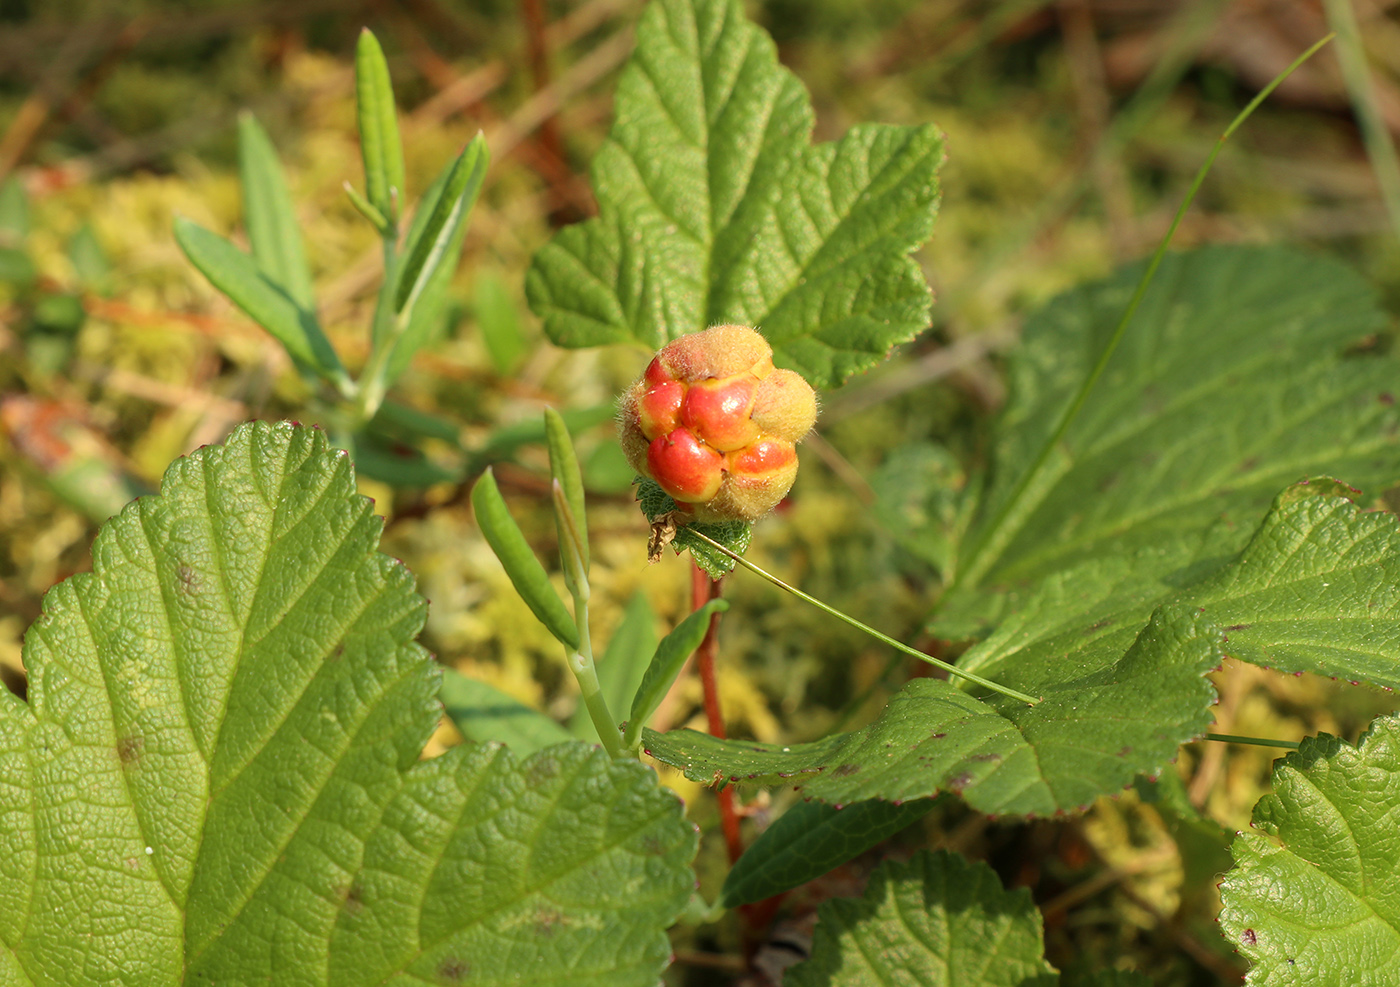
{"points": [[336, 652], [453, 970], [1238, 627], [958, 782], [652, 846], [937, 736], [1249, 464], [993, 758], [541, 770], [1125, 752], [547, 922], [1100, 625], [846, 769], [129, 748], [189, 581], [353, 897], [1387, 400], [1249, 938]]}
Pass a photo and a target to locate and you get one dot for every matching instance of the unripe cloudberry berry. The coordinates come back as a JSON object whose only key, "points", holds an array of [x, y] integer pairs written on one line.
{"points": [[714, 423]]}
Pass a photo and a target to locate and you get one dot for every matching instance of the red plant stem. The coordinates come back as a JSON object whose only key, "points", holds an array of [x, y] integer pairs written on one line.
{"points": [[703, 589]]}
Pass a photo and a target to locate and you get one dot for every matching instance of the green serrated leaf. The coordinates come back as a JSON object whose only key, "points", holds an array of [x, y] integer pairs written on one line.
{"points": [[483, 713], [1115, 705], [216, 776], [937, 921], [380, 145], [1314, 897], [235, 274], [809, 840], [1313, 590], [273, 230], [714, 208], [734, 535], [1237, 377]]}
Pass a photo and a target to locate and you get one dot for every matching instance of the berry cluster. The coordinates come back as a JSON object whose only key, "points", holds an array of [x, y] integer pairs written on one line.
{"points": [[714, 423]]}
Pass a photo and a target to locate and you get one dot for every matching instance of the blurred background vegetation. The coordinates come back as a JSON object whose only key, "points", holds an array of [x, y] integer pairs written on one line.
{"points": [[1074, 127]]}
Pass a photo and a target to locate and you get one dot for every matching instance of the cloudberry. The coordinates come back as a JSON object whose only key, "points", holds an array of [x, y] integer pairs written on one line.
{"points": [[715, 424]]}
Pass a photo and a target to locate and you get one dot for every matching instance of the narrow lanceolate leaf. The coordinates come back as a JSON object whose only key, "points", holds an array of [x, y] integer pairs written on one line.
{"points": [[937, 921], [216, 778], [380, 146], [422, 294], [1314, 897], [484, 714], [1245, 369], [525, 572], [667, 663], [273, 230], [443, 216], [1114, 706], [268, 304], [716, 208], [809, 840], [563, 466]]}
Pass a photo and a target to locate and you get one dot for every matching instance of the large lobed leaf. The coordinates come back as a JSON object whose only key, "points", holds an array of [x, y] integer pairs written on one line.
{"points": [[1106, 716], [1314, 897], [715, 208], [937, 921], [1314, 589], [1238, 376], [216, 777]]}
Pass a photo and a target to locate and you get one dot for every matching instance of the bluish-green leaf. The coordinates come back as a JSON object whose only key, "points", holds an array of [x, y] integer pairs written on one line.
{"points": [[1314, 897], [714, 207], [810, 839], [273, 230], [216, 777], [483, 713], [937, 921], [380, 145], [235, 274]]}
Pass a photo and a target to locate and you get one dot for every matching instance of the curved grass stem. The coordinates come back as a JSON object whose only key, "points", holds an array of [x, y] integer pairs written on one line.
{"points": [[977, 560], [866, 628]]}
